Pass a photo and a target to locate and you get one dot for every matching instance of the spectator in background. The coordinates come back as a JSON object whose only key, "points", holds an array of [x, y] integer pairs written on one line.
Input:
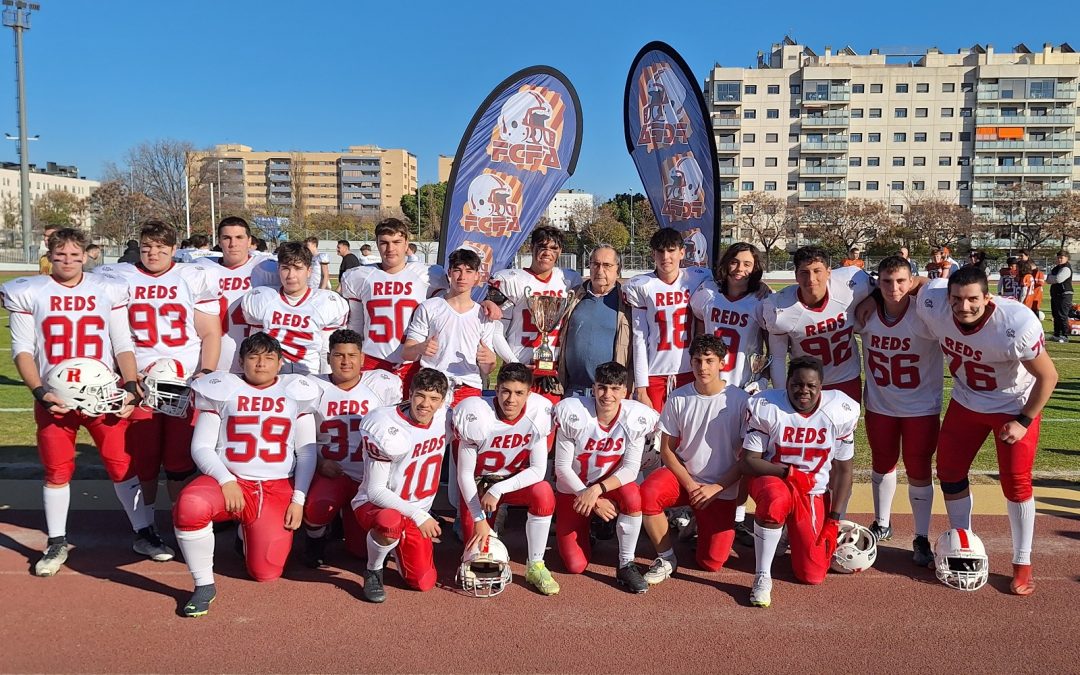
{"points": [[938, 267], [412, 256], [1009, 283], [131, 253], [1026, 273], [44, 264], [260, 245], [903, 253], [348, 258], [93, 258], [853, 259], [367, 259], [198, 247], [1061, 296], [320, 265], [977, 258], [953, 265], [1039, 281]]}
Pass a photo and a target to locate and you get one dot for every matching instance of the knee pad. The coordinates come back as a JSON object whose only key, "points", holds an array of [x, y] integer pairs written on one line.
{"points": [[192, 512], [388, 524], [1016, 487], [954, 487], [631, 499], [543, 500]]}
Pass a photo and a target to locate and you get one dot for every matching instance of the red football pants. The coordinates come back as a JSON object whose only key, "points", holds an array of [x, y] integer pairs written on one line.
{"points": [[266, 541], [572, 528], [715, 523], [325, 499], [56, 444], [658, 388], [774, 503], [405, 371], [852, 388], [157, 440], [538, 497], [463, 392], [414, 552], [917, 435], [963, 432]]}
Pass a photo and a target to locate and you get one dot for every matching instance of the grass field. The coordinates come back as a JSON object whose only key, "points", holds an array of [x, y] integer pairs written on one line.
{"points": [[1059, 447]]}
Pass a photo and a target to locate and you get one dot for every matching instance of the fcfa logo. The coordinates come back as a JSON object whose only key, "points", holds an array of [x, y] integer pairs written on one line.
{"points": [[487, 257], [529, 129], [494, 205], [661, 101], [684, 194]]}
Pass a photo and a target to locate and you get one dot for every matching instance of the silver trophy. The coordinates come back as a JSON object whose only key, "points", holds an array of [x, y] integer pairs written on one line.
{"points": [[547, 312], [757, 363]]}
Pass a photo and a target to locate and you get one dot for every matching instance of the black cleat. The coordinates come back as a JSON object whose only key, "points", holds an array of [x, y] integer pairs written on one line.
{"points": [[630, 576], [923, 555], [744, 534], [314, 551], [880, 533], [199, 604], [373, 585]]}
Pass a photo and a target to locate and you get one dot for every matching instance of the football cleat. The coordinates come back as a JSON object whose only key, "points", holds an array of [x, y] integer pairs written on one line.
{"points": [[199, 604], [373, 585], [744, 534], [923, 556], [630, 576], [55, 554], [660, 570], [149, 544], [761, 593], [881, 533], [537, 575], [1022, 583]]}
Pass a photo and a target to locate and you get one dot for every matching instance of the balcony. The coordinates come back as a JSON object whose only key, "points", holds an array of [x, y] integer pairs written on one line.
{"points": [[726, 121], [729, 194], [1057, 120], [826, 121], [287, 189], [1056, 144], [1055, 169], [727, 147], [824, 146], [352, 203], [280, 166], [828, 169], [727, 171], [281, 201], [991, 92], [811, 195], [833, 95]]}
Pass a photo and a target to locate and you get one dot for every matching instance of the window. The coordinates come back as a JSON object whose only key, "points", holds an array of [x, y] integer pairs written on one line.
{"points": [[898, 161], [965, 112], [945, 137], [858, 88], [856, 113], [920, 136], [922, 112], [855, 137], [918, 185], [792, 185], [770, 161], [874, 137], [963, 161], [774, 89], [871, 185], [750, 89], [749, 138], [793, 113], [770, 185], [873, 161], [875, 112], [812, 186], [772, 114], [899, 137], [900, 112], [898, 185], [854, 185], [875, 89], [793, 161], [918, 161], [748, 161], [748, 186], [854, 161], [944, 161], [896, 208], [749, 114], [965, 136], [948, 87], [946, 112], [793, 138], [922, 88], [943, 185], [772, 138], [796, 89], [901, 88], [967, 87]]}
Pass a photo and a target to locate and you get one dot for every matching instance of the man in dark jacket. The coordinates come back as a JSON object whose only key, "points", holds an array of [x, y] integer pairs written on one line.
{"points": [[131, 253], [1061, 296]]}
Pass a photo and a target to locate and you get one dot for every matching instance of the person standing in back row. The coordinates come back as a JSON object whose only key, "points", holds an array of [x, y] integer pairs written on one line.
{"points": [[1061, 295]]}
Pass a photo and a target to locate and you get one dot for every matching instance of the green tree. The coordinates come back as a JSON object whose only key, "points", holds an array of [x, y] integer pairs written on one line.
{"points": [[432, 200], [59, 207]]}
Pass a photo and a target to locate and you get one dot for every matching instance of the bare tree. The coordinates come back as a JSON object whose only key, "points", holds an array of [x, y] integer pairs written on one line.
{"points": [[764, 219], [1027, 211], [603, 228], [935, 220], [1064, 225], [118, 211], [156, 169], [839, 224]]}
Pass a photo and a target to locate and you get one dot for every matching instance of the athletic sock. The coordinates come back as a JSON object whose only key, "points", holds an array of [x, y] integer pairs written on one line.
{"points": [[884, 490], [628, 529], [536, 534], [922, 502], [1022, 528], [130, 494], [197, 546], [316, 532], [376, 553], [57, 500], [740, 513], [765, 542], [668, 555], [959, 512]]}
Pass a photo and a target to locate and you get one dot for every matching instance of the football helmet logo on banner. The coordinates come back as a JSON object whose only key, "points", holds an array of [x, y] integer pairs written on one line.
{"points": [[166, 388], [524, 119], [485, 572], [960, 560], [856, 548], [86, 385]]}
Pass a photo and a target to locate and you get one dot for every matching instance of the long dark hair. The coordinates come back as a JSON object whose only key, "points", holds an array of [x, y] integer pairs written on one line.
{"points": [[729, 255]]}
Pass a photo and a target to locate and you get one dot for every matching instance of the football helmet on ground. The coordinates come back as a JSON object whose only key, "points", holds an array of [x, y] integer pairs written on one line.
{"points": [[856, 548], [485, 570], [960, 560]]}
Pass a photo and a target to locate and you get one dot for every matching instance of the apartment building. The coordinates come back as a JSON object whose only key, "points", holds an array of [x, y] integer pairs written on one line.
{"points": [[364, 179], [565, 205], [51, 177], [890, 126]]}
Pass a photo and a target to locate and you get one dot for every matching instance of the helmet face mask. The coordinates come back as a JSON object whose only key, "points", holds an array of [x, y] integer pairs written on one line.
{"points": [[166, 388], [960, 560], [86, 385], [485, 573], [856, 548]]}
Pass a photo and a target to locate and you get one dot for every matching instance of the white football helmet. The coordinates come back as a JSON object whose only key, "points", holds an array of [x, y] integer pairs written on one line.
{"points": [[86, 385], [856, 548], [960, 560], [485, 572], [166, 388]]}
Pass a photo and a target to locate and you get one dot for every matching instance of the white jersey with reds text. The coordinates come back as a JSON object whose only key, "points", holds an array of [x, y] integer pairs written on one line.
{"points": [[662, 321], [518, 285], [256, 440], [161, 310], [826, 333], [587, 452], [458, 334], [54, 322], [411, 458], [382, 304], [341, 412], [904, 373], [809, 443], [259, 270], [738, 323], [986, 359], [710, 429], [303, 328]]}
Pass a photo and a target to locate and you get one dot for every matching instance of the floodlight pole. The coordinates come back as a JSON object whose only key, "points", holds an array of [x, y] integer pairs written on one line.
{"points": [[18, 19]]}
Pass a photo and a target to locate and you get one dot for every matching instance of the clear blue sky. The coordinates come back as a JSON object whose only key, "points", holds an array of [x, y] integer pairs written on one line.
{"points": [[103, 76]]}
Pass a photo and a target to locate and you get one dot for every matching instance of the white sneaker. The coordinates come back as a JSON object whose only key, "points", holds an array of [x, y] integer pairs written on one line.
{"points": [[761, 593], [149, 544], [53, 559], [660, 570]]}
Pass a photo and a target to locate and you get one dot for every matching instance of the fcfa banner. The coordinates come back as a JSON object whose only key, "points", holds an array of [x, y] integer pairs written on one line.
{"points": [[518, 150], [671, 140]]}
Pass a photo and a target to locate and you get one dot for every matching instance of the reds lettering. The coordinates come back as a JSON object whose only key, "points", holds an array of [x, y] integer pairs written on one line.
{"points": [[260, 404], [72, 303], [828, 325], [510, 441], [554, 294], [672, 299], [729, 318], [349, 407], [803, 435], [235, 283], [889, 343], [962, 349], [429, 446], [391, 288], [155, 292], [604, 445], [290, 320]]}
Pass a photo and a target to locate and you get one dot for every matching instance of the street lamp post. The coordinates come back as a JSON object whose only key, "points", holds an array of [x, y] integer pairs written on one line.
{"points": [[631, 222], [18, 19]]}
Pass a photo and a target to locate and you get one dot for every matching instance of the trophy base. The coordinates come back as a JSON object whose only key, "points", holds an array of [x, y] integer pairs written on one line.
{"points": [[544, 369]]}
